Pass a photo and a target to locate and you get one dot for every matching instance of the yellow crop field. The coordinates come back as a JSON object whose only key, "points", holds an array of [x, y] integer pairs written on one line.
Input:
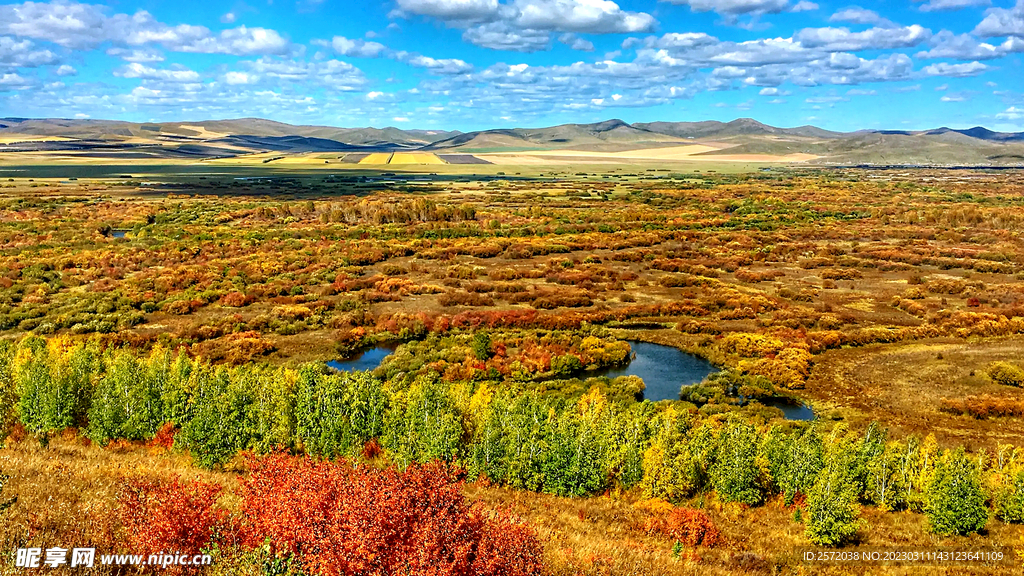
{"points": [[415, 158], [377, 158]]}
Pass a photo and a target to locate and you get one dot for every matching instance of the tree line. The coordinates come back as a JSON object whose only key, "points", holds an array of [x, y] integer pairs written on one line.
{"points": [[497, 431]]}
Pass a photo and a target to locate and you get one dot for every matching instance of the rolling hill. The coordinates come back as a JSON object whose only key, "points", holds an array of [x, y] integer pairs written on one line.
{"points": [[741, 138]]}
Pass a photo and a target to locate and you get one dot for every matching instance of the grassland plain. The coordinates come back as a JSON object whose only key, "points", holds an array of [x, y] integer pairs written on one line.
{"points": [[874, 295]]}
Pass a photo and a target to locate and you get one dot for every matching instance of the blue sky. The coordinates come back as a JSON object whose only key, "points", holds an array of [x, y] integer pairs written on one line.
{"points": [[475, 64]]}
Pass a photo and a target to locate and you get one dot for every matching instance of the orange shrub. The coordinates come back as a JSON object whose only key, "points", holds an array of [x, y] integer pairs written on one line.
{"points": [[686, 525]]}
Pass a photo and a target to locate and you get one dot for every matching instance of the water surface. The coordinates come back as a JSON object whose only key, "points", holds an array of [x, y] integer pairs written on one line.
{"points": [[664, 369]]}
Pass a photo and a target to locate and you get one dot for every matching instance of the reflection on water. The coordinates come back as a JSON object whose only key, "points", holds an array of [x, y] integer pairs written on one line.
{"points": [[664, 369]]}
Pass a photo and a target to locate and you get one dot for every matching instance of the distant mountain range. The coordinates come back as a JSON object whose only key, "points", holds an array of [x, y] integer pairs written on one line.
{"points": [[220, 138]]}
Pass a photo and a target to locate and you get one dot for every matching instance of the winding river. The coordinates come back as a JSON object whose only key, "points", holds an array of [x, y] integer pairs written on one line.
{"points": [[664, 370]]}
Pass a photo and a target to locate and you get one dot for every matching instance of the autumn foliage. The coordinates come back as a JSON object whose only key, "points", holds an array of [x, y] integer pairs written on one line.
{"points": [[686, 525], [169, 515], [337, 519]]}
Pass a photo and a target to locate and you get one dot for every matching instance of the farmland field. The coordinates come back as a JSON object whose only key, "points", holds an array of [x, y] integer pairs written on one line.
{"points": [[165, 327]]}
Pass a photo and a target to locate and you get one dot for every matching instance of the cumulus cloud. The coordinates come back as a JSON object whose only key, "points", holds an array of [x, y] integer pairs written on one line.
{"points": [[66, 70], [136, 55], [526, 25], [235, 78], [1011, 113], [176, 73], [937, 5], [842, 39], [955, 70], [735, 7], [353, 48], [23, 54], [501, 36], [576, 43], [83, 26], [436, 65], [858, 15], [945, 44], [1002, 22]]}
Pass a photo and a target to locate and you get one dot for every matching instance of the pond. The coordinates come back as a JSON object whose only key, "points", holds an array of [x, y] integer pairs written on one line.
{"points": [[791, 410], [664, 369], [118, 233], [367, 359]]}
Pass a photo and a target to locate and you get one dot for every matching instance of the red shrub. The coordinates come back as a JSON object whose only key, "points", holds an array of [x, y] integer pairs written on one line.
{"points": [[689, 526], [164, 437], [169, 515], [336, 519]]}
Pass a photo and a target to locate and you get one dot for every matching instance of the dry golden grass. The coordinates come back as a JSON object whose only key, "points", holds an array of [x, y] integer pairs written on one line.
{"points": [[66, 494], [902, 385], [377, 158], [605, 535], [415, 158]]}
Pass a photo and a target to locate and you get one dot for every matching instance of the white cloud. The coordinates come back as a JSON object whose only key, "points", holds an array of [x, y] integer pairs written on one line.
{"points": [[955, 70], [240, 78], [66, 70], [526, 25], [23, 54], [14, 81], [804, 6], [1002, 22], [937, 5], [241, 41], [353, 48], [82, 26], [945, 44], [437, 65], [735, 7], [229, 18], [136, 55], [955, 97], [591, 16], [174, 74], [858, 15], [576, 43], [501, 36], [842, 39], [1011, 113]]}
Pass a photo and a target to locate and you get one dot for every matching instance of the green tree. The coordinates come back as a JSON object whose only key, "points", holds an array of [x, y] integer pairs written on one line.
{"points": [[53, 382], [955, 503], [127, 401], [1009, 496], [832, 513], [337, 413], [423, 424], [735, 474], [884, 484], [482, 345]]}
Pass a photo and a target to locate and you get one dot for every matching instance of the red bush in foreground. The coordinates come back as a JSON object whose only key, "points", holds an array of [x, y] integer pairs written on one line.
{"points": [[171, 516], [336, 519]]}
